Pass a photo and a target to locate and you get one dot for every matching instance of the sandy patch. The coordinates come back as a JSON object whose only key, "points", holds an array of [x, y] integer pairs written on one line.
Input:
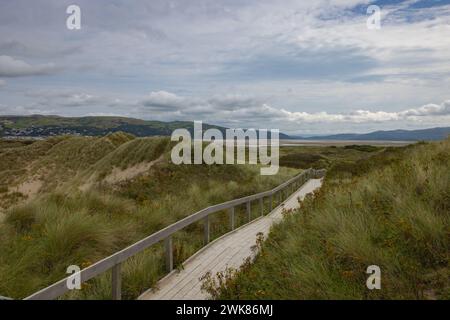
{"points": [[84, 187], [118, 175], [29, 188]]}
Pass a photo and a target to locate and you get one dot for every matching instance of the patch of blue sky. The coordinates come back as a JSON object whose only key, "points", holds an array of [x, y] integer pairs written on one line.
{"points": [[408, 5], [405, 11]]}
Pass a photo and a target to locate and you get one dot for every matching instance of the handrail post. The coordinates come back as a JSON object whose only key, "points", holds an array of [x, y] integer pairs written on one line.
{"points": [[249, 211], [168, 244], [116, 282], [232, 218], [261, 205], [206, 229]]}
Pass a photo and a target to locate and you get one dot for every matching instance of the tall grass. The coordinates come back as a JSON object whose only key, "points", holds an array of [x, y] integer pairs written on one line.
{"points": [[392, 211], [41, 238], [66, 226]]}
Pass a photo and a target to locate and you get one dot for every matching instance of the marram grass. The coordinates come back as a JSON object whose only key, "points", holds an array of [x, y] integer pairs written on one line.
{"points": [[63, 225], [392, 210]]}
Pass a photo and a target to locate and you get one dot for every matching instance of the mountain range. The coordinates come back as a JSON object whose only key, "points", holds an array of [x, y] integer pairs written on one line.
{"points": [[49, 125], [392, 135], [44, 126]]}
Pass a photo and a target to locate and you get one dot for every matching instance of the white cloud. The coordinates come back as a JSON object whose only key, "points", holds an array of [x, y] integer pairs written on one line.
{"points": [[442, 109], [72, 99], [24, 110], [167, 102], [245, 111], [164, 101], [10, 67], [430, 111]]}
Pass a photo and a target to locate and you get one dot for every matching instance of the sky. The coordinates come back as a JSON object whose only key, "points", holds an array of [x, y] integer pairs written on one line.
{"points": [[304, 67]]}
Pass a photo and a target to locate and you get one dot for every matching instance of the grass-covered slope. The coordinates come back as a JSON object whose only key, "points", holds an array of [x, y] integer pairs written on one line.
{"points": [[28, 168], [40, 125], [97, 195], [392, 210], [48, 125]]}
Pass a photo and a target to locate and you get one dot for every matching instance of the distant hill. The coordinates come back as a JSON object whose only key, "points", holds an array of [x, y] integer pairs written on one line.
{"points": [[394, 135], [44, 126]]}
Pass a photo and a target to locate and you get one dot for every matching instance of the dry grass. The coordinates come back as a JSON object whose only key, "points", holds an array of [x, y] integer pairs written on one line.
{"points": [[392, 210]]}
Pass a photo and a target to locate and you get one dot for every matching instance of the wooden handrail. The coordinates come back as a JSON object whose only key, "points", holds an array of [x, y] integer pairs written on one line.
{"points": [[114, 261]]}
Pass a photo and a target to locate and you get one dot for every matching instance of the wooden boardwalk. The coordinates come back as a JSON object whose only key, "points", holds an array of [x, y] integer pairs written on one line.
{"points": [[230, 250]]}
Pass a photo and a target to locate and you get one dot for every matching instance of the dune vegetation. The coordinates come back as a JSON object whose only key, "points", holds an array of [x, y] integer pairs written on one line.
{"points": [[391, 210], [75, 200], [72, 200]]}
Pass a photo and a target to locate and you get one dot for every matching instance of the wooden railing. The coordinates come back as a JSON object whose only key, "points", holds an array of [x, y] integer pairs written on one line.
{"points": [[114, 261]]}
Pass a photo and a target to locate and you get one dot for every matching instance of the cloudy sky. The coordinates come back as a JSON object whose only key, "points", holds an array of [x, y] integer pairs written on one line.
{"points": [[303, 67]]}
